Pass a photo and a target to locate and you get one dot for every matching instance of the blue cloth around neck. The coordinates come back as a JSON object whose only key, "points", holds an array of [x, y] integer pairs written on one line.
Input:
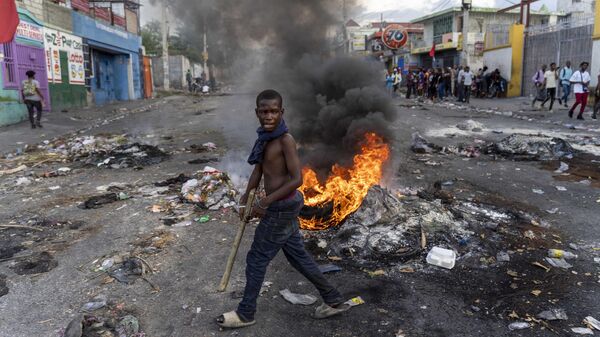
{"points": [[256, 156]]}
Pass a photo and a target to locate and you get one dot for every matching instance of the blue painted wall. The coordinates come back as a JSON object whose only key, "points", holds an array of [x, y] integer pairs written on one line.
{"points": [[115, 47]]}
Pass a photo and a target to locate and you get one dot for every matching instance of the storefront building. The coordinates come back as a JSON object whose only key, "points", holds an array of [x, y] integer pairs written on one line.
{"points": [[65, 67], [111, 60], [25, 52]]}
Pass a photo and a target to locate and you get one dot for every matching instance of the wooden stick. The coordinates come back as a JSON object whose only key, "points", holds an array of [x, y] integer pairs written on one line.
{"points": [[237, 241], [22, 227]]}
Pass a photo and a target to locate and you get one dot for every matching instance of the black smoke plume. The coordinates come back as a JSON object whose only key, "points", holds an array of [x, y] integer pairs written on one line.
{"points": [[330, 101]]}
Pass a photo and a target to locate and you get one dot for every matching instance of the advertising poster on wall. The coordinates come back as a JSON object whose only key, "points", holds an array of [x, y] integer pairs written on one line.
{"points": [[56, 41]]}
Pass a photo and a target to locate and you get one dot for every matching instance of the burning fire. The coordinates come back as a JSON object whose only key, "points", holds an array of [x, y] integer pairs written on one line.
{"points": [[345, 188]]}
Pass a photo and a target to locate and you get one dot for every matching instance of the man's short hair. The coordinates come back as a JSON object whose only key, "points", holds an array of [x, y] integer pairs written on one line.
{"points": [[30, 73], [584, 62], [268, 95]]}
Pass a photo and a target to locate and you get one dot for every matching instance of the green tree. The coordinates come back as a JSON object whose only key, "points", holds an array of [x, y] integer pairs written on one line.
{"points": [[152, 38]]}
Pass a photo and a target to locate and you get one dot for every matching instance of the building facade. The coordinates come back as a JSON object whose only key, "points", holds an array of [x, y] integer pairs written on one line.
{"points": [[83, 51], [444, 30]]}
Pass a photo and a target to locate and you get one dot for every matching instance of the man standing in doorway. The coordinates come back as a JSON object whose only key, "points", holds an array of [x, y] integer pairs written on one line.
{"points": [[32, 97], [580, 81], [550, 79], [565, 75], [596, 99]]}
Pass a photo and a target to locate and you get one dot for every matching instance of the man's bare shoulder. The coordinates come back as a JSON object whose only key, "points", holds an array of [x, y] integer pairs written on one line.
{"points": [[287, 139]]}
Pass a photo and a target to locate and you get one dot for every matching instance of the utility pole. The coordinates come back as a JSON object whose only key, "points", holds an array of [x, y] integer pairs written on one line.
{"points": [[165, 46], [344, 28], [205, 53], [465, 32]]}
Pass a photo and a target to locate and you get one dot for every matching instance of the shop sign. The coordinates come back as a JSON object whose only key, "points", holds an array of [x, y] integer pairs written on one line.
{"points": [[56, 41], [29, 31], [394, 36]]}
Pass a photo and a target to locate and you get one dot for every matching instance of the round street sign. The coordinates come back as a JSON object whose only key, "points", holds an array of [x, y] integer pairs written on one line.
{"points": [[394, 36]]}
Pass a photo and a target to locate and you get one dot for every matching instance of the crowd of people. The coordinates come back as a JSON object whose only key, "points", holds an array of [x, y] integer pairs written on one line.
{"points": [[461, 83], [438, 84], [548, 81]]}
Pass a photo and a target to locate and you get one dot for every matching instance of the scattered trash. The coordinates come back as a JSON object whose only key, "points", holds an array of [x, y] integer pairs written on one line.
{"points": [[129, 271], [564, 167], [558, 263], [561, 188], [420, 144], [537, 264], [537, 191], [552, 211], [211, 189], [329, 268], [591, 322], [529, 234], [441, 257], [183, 223], [203, 219], [22, 181], [557, 253], [128, 326], [502, 257], [355, 301], [322, 244], [470, 125], [13, 170], [519, 326], [553, 315], [293, 298], [95, 304], [582, 331], [530, 147]]}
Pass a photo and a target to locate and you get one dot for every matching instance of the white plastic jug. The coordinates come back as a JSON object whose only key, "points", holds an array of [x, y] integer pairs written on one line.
{"points": [[441, 257]]}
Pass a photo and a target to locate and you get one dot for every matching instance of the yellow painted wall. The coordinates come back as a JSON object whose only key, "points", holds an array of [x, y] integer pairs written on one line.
{"points": [[597, 21], [517, 42]]}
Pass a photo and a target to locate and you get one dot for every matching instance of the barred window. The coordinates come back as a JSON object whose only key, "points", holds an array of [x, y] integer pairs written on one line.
{"points": [[9, 66]]}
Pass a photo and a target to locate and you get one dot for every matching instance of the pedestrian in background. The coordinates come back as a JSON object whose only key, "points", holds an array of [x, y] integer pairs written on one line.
{"points": [[33, 98], [397, 76], [188, 79], [389, 83], [538, 82], [565, 75], [550, 79], [441, 83], [460, 87], [467, 81], [410, 83], [596, 99], [580, 81]]}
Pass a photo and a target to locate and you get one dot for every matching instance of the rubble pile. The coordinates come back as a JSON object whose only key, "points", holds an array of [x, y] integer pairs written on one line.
{"points": [[532, 147], [211, 189], [389, 229], [110, 321]]}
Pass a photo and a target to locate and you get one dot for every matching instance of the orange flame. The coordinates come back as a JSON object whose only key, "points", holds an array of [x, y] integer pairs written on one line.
{"points": [[345, 188]]}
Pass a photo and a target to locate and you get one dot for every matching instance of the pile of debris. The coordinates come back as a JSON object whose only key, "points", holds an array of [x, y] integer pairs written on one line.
{"points": [[105, 319], [211, 189], [532, 147]]}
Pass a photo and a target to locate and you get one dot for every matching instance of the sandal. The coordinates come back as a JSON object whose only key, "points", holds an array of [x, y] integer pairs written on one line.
{"points": [[232, 320], [326, 311]]}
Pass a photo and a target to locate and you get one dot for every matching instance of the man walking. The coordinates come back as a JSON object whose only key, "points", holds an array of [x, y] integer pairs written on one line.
{"points": [[565, 75], [580, 81], [596, 99], [188, 79], [32, 97], [397, 80], [550, 79], [538, 82], [467, 82]]}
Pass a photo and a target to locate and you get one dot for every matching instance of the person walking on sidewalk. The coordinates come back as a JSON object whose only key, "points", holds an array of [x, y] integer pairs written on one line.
{"points": [[580, 81], [596, 99], [33, 98], [550, 79], [538, 82], [565, 75]]}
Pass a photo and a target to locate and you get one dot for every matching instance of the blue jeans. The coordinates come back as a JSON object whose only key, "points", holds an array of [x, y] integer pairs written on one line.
{"points": [[566, 88], [441, 91], [279, 229]]}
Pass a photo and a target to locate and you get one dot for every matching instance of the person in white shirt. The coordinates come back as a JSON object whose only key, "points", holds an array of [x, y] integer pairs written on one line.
{"points": [[550, 79], [467, 81], [580, 80]]}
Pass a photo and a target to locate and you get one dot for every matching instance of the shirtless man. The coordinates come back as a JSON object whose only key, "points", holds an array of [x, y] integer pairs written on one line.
{"points": [[274, 156]]}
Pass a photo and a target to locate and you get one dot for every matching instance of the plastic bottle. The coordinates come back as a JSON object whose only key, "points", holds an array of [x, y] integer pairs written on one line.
{"points": [[557, 254]]}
